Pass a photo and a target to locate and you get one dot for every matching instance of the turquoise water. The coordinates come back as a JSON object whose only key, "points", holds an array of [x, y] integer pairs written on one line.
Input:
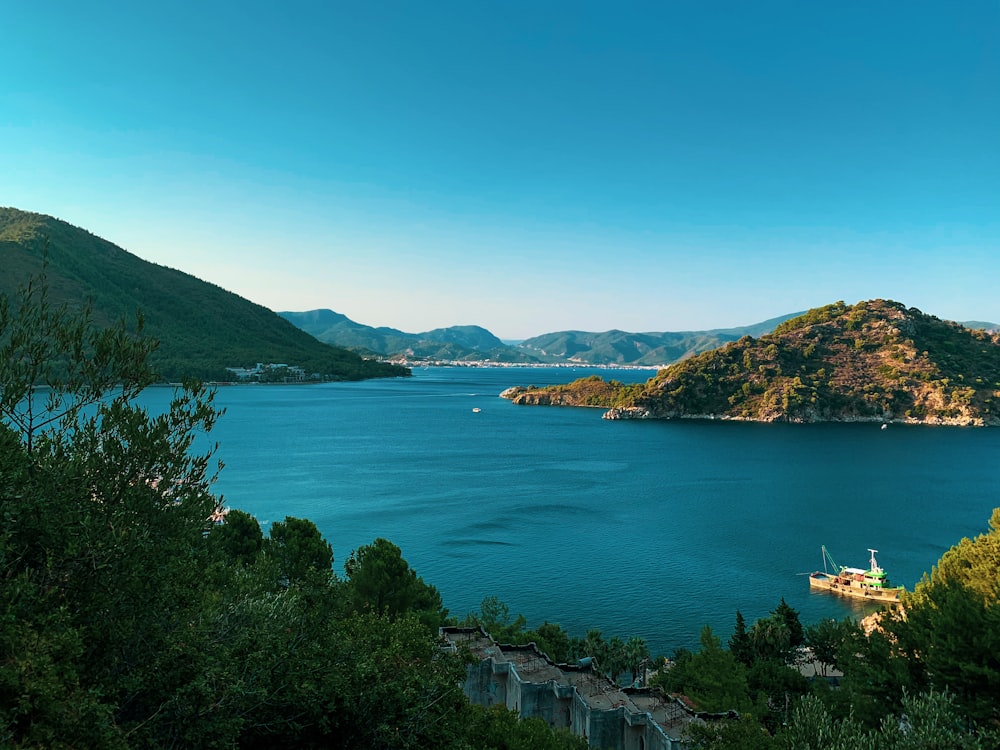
{"points": [[637, 528]]}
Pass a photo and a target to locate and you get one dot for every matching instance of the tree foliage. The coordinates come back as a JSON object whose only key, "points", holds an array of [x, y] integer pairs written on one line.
{"points": [[712, 677], [239, 539], [299, 548], [129, 619], [380, 580]]}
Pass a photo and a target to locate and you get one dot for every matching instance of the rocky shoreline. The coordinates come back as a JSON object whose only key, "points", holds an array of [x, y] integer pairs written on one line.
{"points": [[526, 396], [641, 412]]}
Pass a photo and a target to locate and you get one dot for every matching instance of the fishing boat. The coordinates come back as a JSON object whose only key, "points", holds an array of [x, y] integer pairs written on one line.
{"points": [[871, 584]]}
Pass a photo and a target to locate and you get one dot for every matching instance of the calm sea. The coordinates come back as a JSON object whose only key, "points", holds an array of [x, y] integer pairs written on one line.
{"points": [[636, 528]]}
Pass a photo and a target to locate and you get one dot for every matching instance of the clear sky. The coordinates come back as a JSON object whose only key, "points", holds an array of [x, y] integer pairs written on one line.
{"points": [[524, 166]]}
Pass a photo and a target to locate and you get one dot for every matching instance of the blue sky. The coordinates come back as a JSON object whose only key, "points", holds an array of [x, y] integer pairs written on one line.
{"points": [[527, 167]]}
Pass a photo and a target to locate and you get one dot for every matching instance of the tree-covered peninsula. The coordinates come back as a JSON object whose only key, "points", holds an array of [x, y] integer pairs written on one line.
{"points": [[201, 328], [872, 361]]}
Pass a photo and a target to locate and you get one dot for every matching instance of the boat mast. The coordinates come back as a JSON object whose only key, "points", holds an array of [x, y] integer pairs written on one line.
{"points": [[827, 556], [875, 567]]}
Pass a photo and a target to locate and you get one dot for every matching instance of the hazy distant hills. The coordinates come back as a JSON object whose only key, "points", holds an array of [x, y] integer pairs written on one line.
{"points": [[982, 326], [473, 343], [872, 361], [456, 343], [623, 348], [202, 328]]}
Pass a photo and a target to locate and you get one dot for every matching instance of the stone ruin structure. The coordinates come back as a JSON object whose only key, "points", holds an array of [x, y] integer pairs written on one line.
{"points": [[571, 696]]}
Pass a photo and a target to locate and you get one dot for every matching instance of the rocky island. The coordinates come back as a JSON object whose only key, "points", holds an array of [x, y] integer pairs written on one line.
{"points": [[875, 361]]}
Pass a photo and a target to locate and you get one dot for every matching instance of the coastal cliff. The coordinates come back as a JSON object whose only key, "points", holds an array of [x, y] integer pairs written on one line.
{"points": [[876, 361]]}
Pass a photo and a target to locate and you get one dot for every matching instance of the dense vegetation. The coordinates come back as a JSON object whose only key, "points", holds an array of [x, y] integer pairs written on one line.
{"points": [[132, 619], [592, 390], [202, 329], [875, 360], [926, 676]]}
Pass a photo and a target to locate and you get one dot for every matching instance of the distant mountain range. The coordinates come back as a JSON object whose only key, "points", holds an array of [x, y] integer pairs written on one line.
{"points": [[473, 343], [624, 348], [202, 329], [457, 343], [873, 361]]}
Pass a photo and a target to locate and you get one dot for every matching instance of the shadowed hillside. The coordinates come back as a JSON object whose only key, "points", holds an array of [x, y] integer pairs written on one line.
{"points": [[202, 328]]}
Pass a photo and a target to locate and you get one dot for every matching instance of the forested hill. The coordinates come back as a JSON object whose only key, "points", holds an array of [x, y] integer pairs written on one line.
{"points": [[455, 343], [202, 328], [873, 361], [624, 348], [474, 343]]}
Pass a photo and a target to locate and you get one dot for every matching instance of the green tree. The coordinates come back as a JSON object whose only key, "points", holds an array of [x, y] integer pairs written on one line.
{"points": [[636, 657], [774, 686], [954, 636], [712, 677], [104, 507], [553, 641], [494, 617], [381, 581], [739, 643], [744, 733], [826, 639], [593, 643], [299, 548], [924, 722], [973, 563], [614, 662], [770, 639], [876, 676], [813, 728], [790, 617], [496, 728], [932, 721], [369, 681], [238, 538], [122, 623], [60, 348]]}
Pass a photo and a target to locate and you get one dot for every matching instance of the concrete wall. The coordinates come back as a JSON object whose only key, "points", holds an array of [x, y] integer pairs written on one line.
{"points": [[486, 682], [494, 680]]}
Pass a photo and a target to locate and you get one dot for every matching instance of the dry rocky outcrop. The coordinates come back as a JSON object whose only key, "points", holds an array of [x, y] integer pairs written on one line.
{"points": [[876, 361]]}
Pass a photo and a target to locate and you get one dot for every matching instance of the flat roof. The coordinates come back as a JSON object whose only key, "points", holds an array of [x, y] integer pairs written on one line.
{"points": [[596, 690]]}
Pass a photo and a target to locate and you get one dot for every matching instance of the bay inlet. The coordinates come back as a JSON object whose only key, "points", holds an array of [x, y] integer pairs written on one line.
{"points": [[648, 528]]}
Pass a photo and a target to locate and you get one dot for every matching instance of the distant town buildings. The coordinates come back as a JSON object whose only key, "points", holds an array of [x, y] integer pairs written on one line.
{"points": [[268, 373]]}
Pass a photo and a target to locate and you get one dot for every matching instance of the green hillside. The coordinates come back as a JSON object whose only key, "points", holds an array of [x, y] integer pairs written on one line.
{"points": [[624, 348], [467, 343], [202, 328], [455, 343], [873, 361]]}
